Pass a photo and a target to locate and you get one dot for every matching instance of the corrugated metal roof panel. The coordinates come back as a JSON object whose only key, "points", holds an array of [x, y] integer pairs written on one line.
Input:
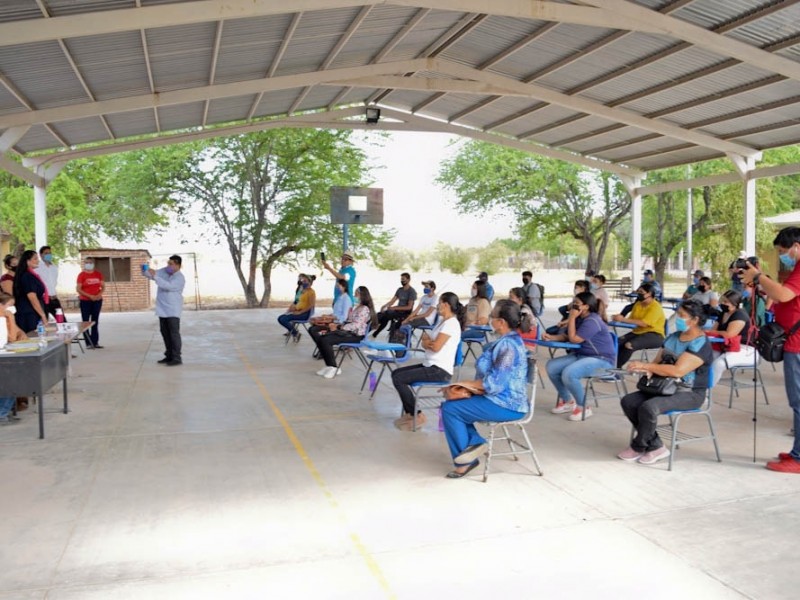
{"points": [[671, 159], [786, 136], [180, 57], [318, 97], [37, 138], [238, 63], [275, 103], [229, 109], [61, 8], [771, 28], [744, 123], [137, 122], [19, 10], [82, 131], [182, 116]]}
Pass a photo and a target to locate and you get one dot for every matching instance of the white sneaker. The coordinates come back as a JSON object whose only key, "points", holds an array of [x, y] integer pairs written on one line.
{"points": [[323, 370], [563, 407], [332, 372], [577, 413]]}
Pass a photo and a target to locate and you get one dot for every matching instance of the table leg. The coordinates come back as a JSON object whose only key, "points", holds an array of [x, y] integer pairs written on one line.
{"points": [[40, 399], [66, 402]]}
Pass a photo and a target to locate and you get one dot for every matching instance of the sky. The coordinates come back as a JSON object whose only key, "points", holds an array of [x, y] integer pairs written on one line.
{"points": [[421, 212]]}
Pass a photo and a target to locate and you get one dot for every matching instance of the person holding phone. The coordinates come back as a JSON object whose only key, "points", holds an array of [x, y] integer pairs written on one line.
{"points": [[346, 272]]}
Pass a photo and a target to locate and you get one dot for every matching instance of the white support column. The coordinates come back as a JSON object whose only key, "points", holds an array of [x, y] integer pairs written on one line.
{"points": [[40, 214], [632, 184], [745, 165]]}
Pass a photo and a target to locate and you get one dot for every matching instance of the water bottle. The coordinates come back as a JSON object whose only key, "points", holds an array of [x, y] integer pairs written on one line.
{"points": [[59, 315], [40, 331], [373, 381]]}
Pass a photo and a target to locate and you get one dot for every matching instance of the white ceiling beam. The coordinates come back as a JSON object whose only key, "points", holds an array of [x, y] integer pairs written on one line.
{"points": [[427, 84], [212, 74], [593, 108], [10, 137], [211, 92], [18, 170], [701, 37]]}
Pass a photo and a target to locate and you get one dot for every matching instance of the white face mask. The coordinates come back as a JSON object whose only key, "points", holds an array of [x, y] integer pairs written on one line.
{"points": [[88, 266], [12, 310]]}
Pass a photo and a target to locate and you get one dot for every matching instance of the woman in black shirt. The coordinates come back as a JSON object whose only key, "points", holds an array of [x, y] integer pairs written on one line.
{"points": [[29, 293], [734, 326]]}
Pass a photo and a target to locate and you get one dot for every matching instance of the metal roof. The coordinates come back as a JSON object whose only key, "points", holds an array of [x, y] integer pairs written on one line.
{"points": [[623, 85]]}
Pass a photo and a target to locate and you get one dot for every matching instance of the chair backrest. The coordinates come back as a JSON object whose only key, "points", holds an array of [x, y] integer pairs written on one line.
{"points": [[531, 379], [615, 341]]}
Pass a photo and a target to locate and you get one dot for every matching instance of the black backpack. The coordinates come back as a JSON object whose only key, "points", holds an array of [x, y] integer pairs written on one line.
{"points": [[541, 298], [771, 340]]}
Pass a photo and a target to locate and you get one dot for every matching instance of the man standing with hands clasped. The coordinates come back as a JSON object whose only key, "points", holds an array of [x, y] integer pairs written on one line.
{"points": [[787, 315], [169, 305]]}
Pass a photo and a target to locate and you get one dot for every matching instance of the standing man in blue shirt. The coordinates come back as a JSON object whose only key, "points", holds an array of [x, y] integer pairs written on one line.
{"points": [[169, 306], [346, 272]]}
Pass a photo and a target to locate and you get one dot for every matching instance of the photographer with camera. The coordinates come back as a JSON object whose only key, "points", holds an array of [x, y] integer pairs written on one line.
{"points": [[787, 315], [346, 272]]}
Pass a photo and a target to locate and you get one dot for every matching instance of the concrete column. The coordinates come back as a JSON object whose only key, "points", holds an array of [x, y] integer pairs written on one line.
{"points": [[636, 238], [750, 209], [40, 215]]}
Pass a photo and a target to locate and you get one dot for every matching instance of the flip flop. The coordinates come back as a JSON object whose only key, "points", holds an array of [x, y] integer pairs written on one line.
{"points": [[457, 475]]}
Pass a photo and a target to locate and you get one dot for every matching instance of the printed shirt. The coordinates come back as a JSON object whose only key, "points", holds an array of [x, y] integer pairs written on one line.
{"points": [[701, 348], [358, 321], [503, 368], [788, 313], [90, 282]]}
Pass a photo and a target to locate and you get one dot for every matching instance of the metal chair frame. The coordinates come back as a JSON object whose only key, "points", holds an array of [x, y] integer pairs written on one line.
{"points": [[305, 324], [525, 447], [386, 362], [433, 401], [757, 381], [603, 377]]}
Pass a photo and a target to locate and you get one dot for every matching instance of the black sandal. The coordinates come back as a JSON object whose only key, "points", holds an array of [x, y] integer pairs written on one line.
{"points": [[457, 475]]}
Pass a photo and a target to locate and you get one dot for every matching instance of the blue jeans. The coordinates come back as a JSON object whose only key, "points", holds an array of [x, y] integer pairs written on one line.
{"points": [[6, 404], [791, 376], [287, 319], [459, 417], [567, 374]]}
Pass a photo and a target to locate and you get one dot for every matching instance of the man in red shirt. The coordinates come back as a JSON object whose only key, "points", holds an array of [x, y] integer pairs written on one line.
{"points": [[787, 314], [90, 293]]}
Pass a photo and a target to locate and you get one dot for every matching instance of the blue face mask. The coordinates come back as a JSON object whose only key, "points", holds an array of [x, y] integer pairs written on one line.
{"points": [[787, 261], [593, 286], [696, 280], [746, 294], [48, 258], [681, 324], [426, 290]]}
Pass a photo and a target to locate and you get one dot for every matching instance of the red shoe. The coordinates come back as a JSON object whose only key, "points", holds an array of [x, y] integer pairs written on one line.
{"points": [[785, 456], [785, 466]]}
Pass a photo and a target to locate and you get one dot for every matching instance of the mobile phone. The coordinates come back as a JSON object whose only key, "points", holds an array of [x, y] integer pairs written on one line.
{"points": [[322, 256]]}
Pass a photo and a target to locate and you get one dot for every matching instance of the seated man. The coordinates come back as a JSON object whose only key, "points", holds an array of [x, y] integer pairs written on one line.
{"points": [[648, 316], [404, 296], [533, 292], [425, 313], [650, 277], [483, 277], [692, 289]]}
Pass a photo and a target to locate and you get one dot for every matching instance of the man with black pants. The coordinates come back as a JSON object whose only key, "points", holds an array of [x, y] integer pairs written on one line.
{"points": [[169, 306], [405, 296]]}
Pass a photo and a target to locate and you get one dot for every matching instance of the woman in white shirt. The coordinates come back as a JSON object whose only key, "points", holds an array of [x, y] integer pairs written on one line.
{"points": [[440, 355]]}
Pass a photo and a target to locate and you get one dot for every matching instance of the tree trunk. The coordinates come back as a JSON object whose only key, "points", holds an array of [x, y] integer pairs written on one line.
{"points": [[266, 276]]}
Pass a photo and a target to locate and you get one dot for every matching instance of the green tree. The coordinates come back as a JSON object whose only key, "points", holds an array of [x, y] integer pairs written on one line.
{"points": [[88, 198], [391, 259], [493, 257], [455, 260], [266, 195], [540, 194]]}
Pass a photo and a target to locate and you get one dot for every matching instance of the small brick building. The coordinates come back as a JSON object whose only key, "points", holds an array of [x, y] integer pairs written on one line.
{"points": [[126, 287]]}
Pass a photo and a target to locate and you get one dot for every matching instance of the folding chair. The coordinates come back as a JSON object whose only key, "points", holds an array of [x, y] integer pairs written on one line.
{"points": [[527, 446], [604, 377], [429, 402], [346, 348], [678, 438], [756, 381], [387, 362], [475, 334], [423, 328], [294, 334]]}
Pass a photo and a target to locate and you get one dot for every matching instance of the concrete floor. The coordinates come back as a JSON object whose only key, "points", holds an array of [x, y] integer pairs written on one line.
{"points": [[243, 475]]}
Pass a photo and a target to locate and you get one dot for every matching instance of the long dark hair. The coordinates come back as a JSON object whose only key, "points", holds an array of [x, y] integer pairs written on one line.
{"points": [[459, 310], [480, 289], [733, 297], [366, 299], [695, 309], [590, 300], [522, 295], [22, 269], [508, 310]]}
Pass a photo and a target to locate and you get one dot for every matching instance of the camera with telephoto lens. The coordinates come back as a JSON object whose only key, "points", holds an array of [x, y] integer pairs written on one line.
{"points": [[741, 263]]}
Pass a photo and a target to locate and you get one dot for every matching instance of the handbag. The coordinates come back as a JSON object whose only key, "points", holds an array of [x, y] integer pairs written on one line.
{"points": [[659, 385], [731, 344], [771, 339]]}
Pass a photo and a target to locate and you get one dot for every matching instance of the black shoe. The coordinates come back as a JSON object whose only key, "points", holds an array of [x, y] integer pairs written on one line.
{"points": [[164, 361], [174, 363]]}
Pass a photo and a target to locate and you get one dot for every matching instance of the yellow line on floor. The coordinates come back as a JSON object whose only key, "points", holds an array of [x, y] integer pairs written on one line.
{"points": [[372, 564]]}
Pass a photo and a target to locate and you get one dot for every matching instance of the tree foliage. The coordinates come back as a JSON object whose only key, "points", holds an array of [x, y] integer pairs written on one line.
{"points": [[493, 257], [455, 260], [541, 195], [391, 259], [266, 196]]}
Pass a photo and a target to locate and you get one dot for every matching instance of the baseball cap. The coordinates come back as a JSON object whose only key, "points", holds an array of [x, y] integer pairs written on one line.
{"points": [[483, 275], [430, 283], [699, 273], [649, 272], [346, 256]]}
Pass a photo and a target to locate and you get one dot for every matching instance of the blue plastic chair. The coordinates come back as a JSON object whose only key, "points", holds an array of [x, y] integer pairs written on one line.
{"points": [[294, 334], [475, 334], [604, 377], [422, 328], [390, 362]]}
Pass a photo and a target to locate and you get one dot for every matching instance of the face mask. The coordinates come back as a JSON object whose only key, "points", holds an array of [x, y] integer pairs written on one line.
{"points": [[12, 310], [681, 324], [593, 286], [526, 280], [48, 258], [12, 269], [88, 266], [403, 283], [426, 290], [787, 261], [576, 291], [746, 294], [640, 297], [702, 288], [170, 269], [648, 279], [695, 280], [724, 308], [474, 292], [305, 285]]}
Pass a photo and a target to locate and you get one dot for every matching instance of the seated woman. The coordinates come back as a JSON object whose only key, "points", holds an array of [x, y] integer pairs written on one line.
{"points": [[6, 328], [351, 330], [580, 286], [440, 347], [527, 320], [584, 327], [734, 323], [301, 309], [501, 377], [693, 357], [341, 308], [648, 317], [478, 310]]}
